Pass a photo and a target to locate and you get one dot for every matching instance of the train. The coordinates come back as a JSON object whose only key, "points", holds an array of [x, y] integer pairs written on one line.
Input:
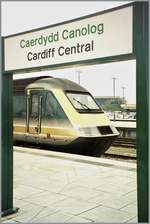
{"points": [[61, 114]]}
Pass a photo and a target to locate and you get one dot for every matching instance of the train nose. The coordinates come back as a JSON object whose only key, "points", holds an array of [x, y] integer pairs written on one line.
{"points": [[98, 131]]}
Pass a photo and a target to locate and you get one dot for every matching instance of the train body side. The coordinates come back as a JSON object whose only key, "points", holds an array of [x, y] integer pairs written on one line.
{"points": [[61, 125]]}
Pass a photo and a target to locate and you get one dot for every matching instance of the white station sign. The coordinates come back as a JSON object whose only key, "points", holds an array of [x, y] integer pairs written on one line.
{"points": [[98, 36]]}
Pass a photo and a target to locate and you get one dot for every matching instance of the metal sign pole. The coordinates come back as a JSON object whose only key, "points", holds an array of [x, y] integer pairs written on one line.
{"points": [[141, 52], [7, 145]]}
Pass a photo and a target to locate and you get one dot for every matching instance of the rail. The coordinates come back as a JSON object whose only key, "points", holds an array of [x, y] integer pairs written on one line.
{"points": [[125, 142]]}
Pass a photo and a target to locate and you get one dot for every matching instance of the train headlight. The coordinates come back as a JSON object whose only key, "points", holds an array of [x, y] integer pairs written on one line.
{"points": [[89, 131]]}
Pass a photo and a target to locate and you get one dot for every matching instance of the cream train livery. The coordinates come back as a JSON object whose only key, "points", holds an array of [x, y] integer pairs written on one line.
{"points": [[62, 114]]}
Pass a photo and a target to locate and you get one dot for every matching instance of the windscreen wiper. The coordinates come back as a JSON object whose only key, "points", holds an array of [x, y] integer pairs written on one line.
{"points": [[82, 104]]}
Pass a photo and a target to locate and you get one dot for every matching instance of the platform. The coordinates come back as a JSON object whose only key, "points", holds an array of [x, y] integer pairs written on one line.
{"points": [[122, 151], [59, 187]]}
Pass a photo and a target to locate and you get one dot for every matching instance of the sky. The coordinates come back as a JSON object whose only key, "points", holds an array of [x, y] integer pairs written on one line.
{"points": [[23, 16]]}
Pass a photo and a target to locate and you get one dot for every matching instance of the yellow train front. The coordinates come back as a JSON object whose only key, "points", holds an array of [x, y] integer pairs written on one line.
{"points": [[63, 115]]}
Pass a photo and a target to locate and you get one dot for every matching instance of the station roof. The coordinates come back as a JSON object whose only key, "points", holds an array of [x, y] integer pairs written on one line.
{"points": [[19, 85]]}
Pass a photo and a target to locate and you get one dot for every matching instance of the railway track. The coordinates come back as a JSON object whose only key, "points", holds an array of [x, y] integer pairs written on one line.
{"points": [[125, 142]]}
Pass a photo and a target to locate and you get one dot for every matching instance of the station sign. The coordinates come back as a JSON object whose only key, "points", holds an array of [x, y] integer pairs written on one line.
{"points": [[97, 36]]}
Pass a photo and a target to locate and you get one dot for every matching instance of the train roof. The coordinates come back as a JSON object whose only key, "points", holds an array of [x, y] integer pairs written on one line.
{"points": [[57, 83], [48, 82]]}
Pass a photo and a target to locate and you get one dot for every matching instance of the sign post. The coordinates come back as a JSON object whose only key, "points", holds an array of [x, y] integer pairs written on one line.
{"points": [[7, 142], [7, 146], [142, 87]]}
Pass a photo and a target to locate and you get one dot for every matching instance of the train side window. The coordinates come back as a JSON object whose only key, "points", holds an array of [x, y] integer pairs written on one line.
{"points": [[34, 105], [19, 106], [53, 109]]}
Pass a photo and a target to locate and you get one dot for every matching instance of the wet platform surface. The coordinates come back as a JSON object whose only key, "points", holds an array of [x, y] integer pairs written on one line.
{"points": [[58, 187]]}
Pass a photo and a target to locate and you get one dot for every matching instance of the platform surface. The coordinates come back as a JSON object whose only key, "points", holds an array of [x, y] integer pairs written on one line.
{"points": [[57, 187], [124, 124]]}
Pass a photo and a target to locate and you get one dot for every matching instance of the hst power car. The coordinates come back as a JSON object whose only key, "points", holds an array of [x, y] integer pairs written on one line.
{"points": [[62, 114]]}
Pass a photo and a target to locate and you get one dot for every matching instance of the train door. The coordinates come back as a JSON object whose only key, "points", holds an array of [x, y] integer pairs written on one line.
{"points": [[34, 111]]}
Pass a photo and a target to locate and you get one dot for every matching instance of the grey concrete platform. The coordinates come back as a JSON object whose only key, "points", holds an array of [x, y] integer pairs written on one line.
{"points": [[57, 187]]}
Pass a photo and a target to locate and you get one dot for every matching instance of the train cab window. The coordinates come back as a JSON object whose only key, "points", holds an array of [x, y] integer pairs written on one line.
{"points": [[83, 102], [19, 106], [53, 109]]}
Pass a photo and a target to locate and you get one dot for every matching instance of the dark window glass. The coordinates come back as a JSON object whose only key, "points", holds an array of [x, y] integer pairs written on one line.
{"points": [[53, 109], [34, 108], [83, 102], [19, 106]]}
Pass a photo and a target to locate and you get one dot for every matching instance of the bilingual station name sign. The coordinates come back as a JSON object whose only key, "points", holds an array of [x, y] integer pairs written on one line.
{"points": [[96, 36]]}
